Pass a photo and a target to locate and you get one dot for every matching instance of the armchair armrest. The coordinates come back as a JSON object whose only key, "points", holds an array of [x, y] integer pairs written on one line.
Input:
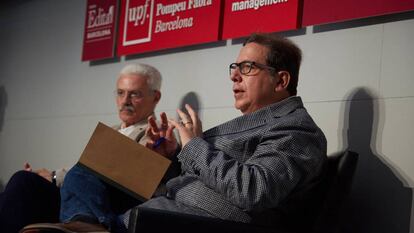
{"points": [[149, 220]]}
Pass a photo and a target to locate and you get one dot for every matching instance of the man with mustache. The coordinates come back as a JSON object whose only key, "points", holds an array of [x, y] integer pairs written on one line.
{"points": [[258, 168], [33, 196]]}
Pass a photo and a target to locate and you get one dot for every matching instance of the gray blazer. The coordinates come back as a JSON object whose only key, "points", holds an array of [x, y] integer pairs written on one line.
{"points": [[249, 165]]}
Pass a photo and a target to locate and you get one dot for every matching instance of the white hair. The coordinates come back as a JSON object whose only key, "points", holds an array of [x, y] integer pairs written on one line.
{"points": [[151, 73]]}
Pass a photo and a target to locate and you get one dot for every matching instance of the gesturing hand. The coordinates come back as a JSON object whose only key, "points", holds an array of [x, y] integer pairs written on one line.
{"points": [[161, 139], [189, 125]]}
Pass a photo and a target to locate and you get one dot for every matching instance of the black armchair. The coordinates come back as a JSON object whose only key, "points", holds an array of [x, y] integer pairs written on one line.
{"points": [[337, 185], [334, 189]]}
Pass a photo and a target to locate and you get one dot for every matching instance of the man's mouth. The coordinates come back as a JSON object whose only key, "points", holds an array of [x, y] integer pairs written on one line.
{"points": [[237, 92]]}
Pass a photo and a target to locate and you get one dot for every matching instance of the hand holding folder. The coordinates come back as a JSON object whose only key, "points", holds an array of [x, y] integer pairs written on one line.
{"points": [[123, 162]]}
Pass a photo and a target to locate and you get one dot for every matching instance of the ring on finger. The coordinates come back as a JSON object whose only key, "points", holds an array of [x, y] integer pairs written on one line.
{"points": [[185, 122]]}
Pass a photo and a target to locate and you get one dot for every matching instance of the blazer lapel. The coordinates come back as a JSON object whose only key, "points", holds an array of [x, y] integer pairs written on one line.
{"points": [[138, 132]]}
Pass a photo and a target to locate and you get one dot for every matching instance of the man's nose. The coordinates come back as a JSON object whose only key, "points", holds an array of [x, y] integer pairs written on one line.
{"points": [[235, 75], [125, 99]]}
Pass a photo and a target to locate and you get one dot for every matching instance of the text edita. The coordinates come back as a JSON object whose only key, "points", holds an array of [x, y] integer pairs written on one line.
{"points": [[98, 17]]}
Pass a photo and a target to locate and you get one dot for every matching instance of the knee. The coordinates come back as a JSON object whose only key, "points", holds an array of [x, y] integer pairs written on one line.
{"points": [[79, 172], [80, 176], [81, 182], [23, 177], [22, 181]]}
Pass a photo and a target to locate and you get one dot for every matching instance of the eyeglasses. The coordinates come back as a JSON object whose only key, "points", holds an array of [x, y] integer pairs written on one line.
{"points": [[132, 95], [246, 67]]}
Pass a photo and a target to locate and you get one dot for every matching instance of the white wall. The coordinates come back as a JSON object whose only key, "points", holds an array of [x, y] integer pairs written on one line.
{"points": [[357, 81]]}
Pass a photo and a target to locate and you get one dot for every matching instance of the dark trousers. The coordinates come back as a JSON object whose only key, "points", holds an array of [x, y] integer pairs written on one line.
{"points": [[28, 198]]}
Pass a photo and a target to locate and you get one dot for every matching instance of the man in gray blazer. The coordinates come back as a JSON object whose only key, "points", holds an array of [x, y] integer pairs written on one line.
{"points": [[262, 166], [256, 168], [33, 196]]}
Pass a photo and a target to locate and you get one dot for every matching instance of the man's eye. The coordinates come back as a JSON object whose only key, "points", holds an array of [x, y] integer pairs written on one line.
{"points": [[246, 66], [136, 94]]}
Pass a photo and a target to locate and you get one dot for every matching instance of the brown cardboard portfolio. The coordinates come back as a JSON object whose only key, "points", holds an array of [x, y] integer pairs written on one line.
{"points": [[123, 162]]}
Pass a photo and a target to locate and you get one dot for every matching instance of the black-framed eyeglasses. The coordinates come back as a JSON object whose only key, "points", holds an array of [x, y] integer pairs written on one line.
{"points": [[246, 67]]}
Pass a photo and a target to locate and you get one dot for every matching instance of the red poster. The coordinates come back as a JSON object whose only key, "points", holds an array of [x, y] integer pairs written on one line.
{"points": [[99, 32], [149, 25], [242, 17], [328, 11]]}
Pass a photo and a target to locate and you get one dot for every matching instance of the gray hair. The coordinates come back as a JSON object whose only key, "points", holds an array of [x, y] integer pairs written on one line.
{"points": [[151, 73]]}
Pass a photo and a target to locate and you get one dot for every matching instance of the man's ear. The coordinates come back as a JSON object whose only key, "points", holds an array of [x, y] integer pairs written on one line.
{"points": [[157, 96], [283, 80]]}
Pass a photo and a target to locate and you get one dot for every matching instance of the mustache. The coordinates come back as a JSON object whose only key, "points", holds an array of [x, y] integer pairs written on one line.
{"points": [[128, 108]]}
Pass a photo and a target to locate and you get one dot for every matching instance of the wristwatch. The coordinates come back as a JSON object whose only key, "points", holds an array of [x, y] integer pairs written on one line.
{"points": [[54, 177]]}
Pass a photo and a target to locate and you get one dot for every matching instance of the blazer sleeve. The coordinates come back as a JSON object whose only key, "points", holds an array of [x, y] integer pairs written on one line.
{"points": [[282, 161]]}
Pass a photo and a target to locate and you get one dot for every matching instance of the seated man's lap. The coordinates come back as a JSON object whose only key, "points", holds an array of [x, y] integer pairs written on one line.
{"points": [[28, 198], [80, 180]]}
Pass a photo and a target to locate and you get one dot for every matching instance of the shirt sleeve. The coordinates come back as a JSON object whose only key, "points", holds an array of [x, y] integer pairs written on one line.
{"points": [[60, 176]]}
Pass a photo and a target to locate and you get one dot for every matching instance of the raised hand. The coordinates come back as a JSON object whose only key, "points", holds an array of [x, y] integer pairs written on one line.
{"points": [[189, 125], [161, 139]]}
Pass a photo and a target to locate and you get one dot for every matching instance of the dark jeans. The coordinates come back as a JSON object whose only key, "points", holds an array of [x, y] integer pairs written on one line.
{"points": [[85, 195], [28, 198]]}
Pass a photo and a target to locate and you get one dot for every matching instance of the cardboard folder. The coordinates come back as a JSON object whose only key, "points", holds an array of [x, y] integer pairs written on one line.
{"points": [[123, 162]]}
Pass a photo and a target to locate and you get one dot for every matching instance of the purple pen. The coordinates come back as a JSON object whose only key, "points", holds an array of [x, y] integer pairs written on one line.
{"points": [[158, 142]]}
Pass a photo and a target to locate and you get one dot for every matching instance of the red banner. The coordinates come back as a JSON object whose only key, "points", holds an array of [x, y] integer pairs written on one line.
{"points": [[99, 32], [328, 11], [149, 25], [242, 18]]}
